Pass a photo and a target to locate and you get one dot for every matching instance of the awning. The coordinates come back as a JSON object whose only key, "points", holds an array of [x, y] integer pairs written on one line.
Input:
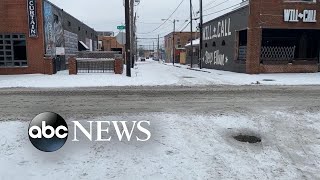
{"points": [[83, 46], [194, 43]]}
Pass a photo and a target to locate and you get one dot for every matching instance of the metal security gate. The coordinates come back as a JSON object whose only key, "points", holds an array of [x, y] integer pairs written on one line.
{"points": [[269, 53], [95, 66]]}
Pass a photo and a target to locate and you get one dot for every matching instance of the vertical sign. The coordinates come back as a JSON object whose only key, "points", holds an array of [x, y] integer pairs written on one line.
{"points": [[32, 17]]}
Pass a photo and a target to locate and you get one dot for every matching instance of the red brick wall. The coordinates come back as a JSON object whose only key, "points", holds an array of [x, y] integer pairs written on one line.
{"points": [[290, 68], [14, 19], [269, 14], [72, 65]]}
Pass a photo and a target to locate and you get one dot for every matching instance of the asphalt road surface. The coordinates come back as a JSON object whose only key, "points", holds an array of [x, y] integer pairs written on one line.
{"points": [[90, 102]]}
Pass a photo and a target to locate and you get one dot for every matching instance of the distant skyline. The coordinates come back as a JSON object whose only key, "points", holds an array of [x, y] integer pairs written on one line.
{"points": [[107, 15]]}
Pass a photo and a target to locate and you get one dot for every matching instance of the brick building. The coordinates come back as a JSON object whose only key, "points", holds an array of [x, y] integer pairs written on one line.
{"points": [[110, 43], [180, 40], [265, 37], [31, 30]]}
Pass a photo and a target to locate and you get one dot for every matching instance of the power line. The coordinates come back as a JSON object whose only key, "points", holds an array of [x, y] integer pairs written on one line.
{"points": [[211, 2], [185, 26], [165, 20], [221, 10], [216, 5]]}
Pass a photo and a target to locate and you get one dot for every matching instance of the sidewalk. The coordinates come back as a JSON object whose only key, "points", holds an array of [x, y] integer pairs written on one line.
{"points": [[153, 73]]}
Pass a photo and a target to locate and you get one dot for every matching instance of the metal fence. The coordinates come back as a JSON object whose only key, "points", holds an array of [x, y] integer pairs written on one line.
{"points": [[95, 65], [273, 53], [242, 54]]}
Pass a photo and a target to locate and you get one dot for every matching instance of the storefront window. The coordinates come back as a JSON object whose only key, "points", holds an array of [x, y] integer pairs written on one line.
{"points": [[13, 51]]}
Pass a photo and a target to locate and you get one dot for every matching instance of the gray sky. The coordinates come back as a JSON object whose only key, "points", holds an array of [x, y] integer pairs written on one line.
{"points": [[106, 15]]}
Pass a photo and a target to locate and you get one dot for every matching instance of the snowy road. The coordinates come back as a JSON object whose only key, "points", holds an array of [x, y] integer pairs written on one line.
{"points": [[192, 131]]}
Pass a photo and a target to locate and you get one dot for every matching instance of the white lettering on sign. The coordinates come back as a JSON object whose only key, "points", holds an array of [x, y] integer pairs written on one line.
{"points": [[293, 15], [32, 17], [215, 58], [221, 29]]}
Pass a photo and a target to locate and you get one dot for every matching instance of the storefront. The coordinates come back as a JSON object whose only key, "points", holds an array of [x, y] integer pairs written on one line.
{"points": [[265, 37], [33, 29]]}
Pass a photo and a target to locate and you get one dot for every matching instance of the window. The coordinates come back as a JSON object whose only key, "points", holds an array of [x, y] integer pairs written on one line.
{"points": [[300, 0], [79, 29], [214, 44], [69, 23], [13, 51]]}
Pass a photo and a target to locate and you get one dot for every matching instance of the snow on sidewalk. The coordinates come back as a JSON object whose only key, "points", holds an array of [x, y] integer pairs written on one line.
{"points": [[181, 147], [152, 73]]}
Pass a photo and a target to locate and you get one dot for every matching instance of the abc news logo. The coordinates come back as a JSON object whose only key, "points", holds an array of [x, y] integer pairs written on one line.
{"points": [[48, 131]]}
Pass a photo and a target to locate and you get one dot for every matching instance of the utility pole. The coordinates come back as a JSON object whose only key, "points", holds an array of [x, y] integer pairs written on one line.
{"points": [[127, 21], [158, 53], [191, 22], [132, 32], [135, 36], [201, 35], [173, 44]]}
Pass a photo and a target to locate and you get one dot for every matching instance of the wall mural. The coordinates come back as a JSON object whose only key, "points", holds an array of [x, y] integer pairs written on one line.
{"points": [[220, 29], [215, 58], [53, 29]]}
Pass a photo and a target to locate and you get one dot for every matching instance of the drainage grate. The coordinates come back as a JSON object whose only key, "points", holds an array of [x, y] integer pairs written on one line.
{"points": [[247, 138]]}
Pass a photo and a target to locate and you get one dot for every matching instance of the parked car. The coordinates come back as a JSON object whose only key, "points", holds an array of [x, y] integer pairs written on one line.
{"points": [[143, 59]]}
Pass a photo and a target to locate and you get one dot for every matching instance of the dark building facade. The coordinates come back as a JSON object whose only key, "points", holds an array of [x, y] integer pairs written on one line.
{"points": [[264, 37], [33, 29]]}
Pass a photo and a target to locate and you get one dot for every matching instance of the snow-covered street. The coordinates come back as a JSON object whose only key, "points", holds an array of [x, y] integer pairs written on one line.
{"points": [[182, 147], [192, 133], [152, 73]]}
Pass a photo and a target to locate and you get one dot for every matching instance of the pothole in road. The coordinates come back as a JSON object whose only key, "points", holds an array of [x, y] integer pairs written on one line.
{"points": [[187, 77], [247, 138], [268, 80]]}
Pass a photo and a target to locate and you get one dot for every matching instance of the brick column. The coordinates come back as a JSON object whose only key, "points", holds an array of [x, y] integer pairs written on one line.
{"points": [[48, 65], [118, 65], [253, 51], [254, 38], [72, 64]]}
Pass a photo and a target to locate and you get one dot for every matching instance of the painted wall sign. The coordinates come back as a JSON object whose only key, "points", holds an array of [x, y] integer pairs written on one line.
{"points": [[215, 58], [32, 18], [293, 15], [221, 29]]}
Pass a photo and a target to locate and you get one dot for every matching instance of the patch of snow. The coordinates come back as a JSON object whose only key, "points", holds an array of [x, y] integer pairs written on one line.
{"points": [[193, 146], [155, 73]]}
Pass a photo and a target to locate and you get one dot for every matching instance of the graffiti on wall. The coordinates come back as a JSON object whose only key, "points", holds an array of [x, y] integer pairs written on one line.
{"points": [[53, 28], [215, 58], [221, 29]]}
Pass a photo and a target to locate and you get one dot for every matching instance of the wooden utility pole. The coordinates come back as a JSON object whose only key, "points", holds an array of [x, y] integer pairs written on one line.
{"points": [[158, 48], [173, 43], [191, 29], [132, 32], [201, 36], [127, 21]]}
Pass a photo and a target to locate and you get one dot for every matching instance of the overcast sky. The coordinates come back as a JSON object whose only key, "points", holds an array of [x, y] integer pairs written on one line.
{"points": [[106, 15]]}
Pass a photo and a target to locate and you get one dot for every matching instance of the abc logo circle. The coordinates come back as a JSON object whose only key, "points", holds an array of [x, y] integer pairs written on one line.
{"points": [[48, 132]]}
